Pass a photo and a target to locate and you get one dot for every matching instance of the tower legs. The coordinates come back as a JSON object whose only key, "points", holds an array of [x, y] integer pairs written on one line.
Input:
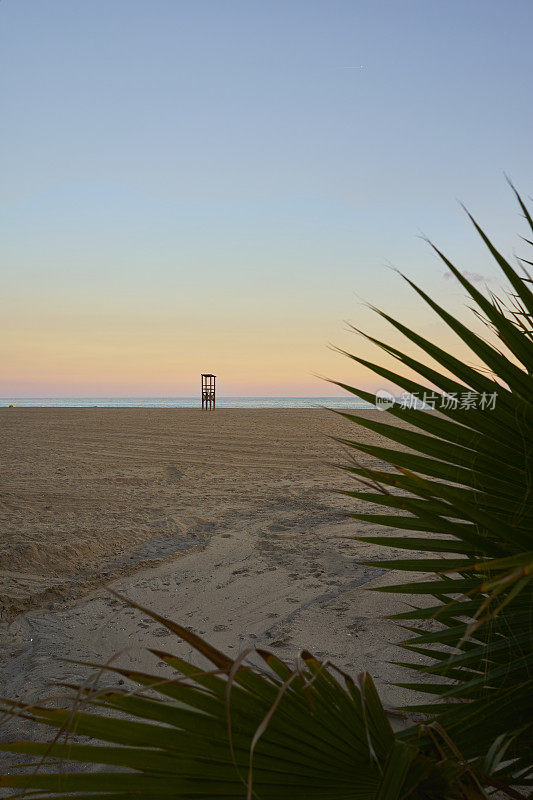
{"points": [[208, 391]]}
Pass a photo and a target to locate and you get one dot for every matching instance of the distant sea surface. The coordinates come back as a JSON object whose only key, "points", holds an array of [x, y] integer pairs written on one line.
{"points": [[187, 402]]}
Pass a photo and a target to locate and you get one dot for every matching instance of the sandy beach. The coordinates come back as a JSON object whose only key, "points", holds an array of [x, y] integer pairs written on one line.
{"points": [[226, 521]]}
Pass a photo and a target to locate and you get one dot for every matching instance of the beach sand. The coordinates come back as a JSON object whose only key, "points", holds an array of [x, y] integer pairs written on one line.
{"points": [[225, 521]]}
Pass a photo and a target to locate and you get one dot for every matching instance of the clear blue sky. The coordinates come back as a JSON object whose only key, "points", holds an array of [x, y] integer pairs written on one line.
{"points": [[192, 186]]}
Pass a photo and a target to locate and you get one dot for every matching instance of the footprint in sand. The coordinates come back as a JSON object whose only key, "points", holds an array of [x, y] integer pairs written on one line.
{"points": [[174, 473], [281, 642], [161, 632], [358, 626]]}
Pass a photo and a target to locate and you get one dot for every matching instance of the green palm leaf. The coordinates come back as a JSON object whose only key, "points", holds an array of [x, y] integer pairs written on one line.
{"points": [[486, 514], [325, 737]]}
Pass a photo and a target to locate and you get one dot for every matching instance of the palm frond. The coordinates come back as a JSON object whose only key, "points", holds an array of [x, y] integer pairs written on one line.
{"points": [[468, 476]]}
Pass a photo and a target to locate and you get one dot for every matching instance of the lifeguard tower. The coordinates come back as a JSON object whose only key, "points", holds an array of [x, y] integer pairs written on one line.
{"points": [[208, 390]]}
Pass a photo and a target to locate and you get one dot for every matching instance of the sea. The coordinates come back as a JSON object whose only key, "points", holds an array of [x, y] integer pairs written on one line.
{"points": [[348, 401]]}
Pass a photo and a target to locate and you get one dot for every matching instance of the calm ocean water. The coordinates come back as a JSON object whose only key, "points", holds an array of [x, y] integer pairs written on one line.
{"points": [[187, 402]]}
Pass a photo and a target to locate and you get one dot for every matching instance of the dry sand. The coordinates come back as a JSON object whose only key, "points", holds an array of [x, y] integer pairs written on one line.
{"points": [[224, 521]]}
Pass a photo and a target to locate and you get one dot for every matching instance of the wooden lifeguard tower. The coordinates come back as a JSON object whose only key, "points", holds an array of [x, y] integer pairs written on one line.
{"points": [[208, 390]]}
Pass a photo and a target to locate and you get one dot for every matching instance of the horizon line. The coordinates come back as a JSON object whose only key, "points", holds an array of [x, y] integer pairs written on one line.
{"points": [[176, 397]]}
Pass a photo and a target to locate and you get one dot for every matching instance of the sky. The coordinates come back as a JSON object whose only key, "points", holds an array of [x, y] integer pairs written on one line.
{"points": [[220, 186]]}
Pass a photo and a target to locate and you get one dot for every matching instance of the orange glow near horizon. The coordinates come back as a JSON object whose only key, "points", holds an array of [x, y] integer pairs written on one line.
{"points": [[74, 352]]}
